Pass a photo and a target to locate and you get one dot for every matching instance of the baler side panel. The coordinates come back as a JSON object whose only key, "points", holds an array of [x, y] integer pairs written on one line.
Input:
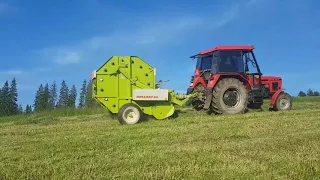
{"points": [[106, 79], [125, 88], [103, 87], [142, 72], [118, 77]]}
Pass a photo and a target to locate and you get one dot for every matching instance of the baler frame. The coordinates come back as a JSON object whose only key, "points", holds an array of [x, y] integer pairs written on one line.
{"points": [[128, 82]]}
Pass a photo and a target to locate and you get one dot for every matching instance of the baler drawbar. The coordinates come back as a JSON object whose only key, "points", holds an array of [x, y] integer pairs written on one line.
{"points": [[126, 86]]}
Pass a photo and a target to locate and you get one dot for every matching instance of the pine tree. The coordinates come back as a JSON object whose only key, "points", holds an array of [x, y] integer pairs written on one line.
{"points": [[20, 109], [13, 98], [64, 95], [6, 100], [72, 97], [45, 97], [53, 95], [89, 95], [82, 98], [1, 103], [37, 100], [28, 109]]}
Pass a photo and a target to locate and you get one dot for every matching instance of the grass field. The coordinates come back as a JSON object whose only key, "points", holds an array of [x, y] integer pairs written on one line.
{"points": [[90, 145]]}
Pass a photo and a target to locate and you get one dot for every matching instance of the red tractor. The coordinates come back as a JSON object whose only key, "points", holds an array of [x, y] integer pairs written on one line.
{"points": [[226, 85]]}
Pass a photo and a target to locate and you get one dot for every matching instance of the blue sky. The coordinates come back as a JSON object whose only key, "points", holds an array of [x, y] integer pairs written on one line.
{"points": [[43, 41]]}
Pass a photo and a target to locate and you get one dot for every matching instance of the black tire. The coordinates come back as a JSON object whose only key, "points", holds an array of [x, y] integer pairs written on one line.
{"points": [[283, 102], [198, 102], [127, 108], [232, 86]]}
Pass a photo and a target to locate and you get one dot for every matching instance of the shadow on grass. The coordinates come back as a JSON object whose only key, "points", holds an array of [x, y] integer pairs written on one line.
{"points": [[174, 116], [177, 113]]}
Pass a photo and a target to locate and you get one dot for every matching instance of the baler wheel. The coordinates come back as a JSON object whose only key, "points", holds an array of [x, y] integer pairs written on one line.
{"points": [[229, 96], [283, 102], [130, 114]]}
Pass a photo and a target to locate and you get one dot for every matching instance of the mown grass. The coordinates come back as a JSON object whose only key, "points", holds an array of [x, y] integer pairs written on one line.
{"points": [[257, 145]]}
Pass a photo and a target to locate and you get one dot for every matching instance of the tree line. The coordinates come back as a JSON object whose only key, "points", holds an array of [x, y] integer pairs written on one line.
{"points": [[309, 92], [9, 98], [47, 98]]}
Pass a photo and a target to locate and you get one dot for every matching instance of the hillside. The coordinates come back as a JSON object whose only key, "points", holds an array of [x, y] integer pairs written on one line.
{"points": [[260, 145]]}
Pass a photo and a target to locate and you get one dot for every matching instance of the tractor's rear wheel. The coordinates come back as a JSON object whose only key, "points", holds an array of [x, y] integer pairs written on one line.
{"points": [[283, 102], [130, 114], [230, 96]]}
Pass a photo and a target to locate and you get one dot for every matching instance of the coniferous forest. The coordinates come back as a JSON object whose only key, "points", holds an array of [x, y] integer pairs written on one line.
{"points": [[48, 97]]}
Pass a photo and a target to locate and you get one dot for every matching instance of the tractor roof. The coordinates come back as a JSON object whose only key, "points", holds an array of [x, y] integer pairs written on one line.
{"points": [[217, 48]]}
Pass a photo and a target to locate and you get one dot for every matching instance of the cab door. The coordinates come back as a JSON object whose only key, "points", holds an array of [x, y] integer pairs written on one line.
{"points": [[251, 71]]}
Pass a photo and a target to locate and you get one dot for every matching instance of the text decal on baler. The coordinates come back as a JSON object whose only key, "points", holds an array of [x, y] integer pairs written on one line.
{"points": [[148, 97], [150, 94]]}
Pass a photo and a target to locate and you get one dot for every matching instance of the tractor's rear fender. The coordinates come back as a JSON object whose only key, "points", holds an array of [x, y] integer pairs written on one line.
{"points": [[215, 79], [274, 97], [197, 80]]}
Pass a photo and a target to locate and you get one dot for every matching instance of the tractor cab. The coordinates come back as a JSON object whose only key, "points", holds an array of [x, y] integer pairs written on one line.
{"points": [[228, 60]]}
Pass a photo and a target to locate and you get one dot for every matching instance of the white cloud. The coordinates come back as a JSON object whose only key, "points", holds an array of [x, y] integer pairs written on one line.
{"points": [[42, 69], [3, 7], [67, 57], [12, 72], [6, 8], [17, 72], [62, 55], [166, 30], [252, 2], [153, 34], [173, 28]]}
